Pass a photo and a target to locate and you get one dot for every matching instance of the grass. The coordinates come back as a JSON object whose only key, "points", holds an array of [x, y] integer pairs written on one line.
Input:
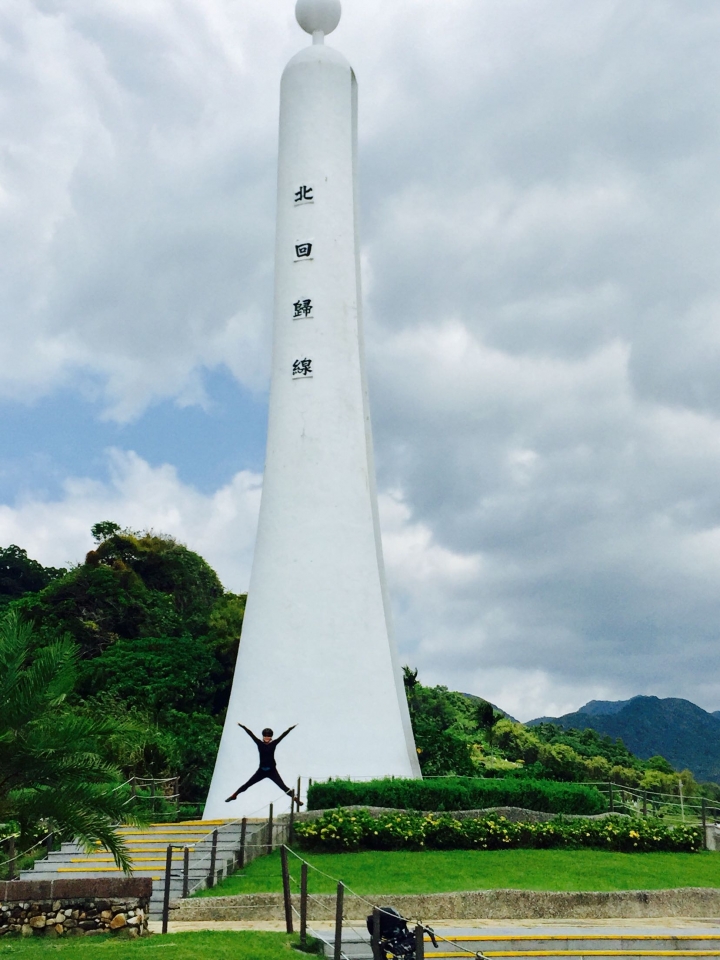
{"points": [[441, 871], [206, 945]]}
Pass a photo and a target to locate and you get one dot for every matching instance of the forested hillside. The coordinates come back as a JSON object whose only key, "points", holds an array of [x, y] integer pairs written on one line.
{"points": [[678, 729], [157, 637]]}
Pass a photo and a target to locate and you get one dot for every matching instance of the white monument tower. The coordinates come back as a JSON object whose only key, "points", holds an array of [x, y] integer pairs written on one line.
{"points": [[317, 648]]}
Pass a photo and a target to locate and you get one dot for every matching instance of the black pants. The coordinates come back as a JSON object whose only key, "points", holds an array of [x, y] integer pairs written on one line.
{"points": [[260, 774]]}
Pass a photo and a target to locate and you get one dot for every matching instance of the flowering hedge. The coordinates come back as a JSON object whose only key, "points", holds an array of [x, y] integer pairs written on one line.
{"points": [[347, 830], [458, 793]]}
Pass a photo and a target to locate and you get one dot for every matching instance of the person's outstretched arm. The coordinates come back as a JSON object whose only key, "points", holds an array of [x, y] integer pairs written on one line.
{"points": [[249, 732], [283, 735]]}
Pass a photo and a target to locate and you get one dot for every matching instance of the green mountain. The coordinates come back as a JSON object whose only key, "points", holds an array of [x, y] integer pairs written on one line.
{"points": [[685, 734]]}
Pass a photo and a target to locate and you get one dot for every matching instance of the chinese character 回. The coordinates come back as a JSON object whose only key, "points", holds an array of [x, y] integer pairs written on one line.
{"points": [[303, 250], [301, 368], [303, 308], [304, 193]]}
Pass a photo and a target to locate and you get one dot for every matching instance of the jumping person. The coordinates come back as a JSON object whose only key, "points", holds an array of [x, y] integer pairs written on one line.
{"points": [[267, 769]]}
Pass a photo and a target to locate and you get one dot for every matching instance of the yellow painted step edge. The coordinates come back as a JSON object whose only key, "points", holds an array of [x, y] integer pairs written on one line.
{"points": [[584, 936], [601, 953], [176, 859], [582, 953]]}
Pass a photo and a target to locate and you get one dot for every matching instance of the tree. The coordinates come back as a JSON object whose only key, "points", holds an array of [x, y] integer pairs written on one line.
{"points": [[53, 776], [19, 574]]}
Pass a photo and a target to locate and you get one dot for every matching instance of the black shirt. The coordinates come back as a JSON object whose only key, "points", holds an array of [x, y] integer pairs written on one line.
{"points": [[266, 750]]}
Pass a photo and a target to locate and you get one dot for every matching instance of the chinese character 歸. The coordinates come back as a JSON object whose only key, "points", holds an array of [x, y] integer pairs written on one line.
{"points": [[302, 368], [302, 308], [303, 250], [305, 193]]}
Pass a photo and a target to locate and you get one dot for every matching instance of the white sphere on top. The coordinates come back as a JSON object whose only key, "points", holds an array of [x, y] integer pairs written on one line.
{"points": [[313, 15]]}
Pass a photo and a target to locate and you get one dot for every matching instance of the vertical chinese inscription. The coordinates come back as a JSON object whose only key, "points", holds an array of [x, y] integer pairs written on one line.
{"points": [[302, 368], [304, 194], [302, 308]]}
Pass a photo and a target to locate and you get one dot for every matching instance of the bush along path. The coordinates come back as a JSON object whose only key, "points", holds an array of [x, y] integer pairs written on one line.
{"points": [[345, 830], [459, 793]]}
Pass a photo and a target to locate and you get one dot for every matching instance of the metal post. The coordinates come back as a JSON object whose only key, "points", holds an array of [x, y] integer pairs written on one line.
{"points": [[297, 795], [303, 903], [612, 805], [49, 842], [419, 942], [338, 921], [186, 872], [682, 805], [270, 829], [704, 824], [291, 825], [166, 897], [286, 889], [11, 858], [644, 803], [375, 940], [241, 851], [213, 855]]}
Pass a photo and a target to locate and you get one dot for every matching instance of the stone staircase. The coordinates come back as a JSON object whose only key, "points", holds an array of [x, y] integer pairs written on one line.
{"points": [[148, 849], [623, 942]]}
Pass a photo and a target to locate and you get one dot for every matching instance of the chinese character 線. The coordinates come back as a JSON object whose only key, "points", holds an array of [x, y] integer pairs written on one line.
{"points": [[304, 195], [302, 250], [302, 368], [302, 308]]}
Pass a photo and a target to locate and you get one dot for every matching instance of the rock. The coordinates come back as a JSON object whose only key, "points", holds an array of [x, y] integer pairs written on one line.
{"points": [[68, 912], [118, 921], [26, 930], [37, 922], [87, 924], [134, 921], [69, 923], [56, 906], [59, 928]]}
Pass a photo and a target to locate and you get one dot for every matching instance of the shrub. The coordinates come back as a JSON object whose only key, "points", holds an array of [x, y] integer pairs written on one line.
{"points": [[456, 793], [349, 830]]}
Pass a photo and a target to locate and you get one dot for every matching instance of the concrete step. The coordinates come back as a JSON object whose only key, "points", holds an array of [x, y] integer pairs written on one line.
{"points": [[148, 850], [567, 946]]}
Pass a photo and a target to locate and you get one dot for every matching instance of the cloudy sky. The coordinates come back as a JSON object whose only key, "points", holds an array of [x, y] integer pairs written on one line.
{"points": [[540, 222]]}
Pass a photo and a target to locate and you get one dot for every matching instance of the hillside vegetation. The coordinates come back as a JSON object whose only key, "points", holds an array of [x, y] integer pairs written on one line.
{"points": [[156, 636], [678, 729]]}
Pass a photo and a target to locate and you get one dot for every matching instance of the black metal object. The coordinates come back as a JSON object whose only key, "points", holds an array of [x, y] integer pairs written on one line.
{"points": [[241, 851], [337, 955], [186, 872], [213, 858], [303, 903], [390, 935], [166, 895], [11, 858], [286, 889]]}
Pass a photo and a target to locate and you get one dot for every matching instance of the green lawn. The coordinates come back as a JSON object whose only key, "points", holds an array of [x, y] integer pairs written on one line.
{"points": [[438, 871], [223, 945]]}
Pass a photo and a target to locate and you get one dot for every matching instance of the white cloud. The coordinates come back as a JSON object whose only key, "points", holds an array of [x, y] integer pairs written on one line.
{"points": [[539, 222], [220, 526]]}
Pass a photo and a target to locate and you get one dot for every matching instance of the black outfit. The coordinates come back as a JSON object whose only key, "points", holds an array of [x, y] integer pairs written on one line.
{"points": [[268, 768]]}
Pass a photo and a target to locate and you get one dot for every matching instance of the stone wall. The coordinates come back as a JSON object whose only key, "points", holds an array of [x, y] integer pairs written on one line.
{"points": [[471, 905], [60, 908]]}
